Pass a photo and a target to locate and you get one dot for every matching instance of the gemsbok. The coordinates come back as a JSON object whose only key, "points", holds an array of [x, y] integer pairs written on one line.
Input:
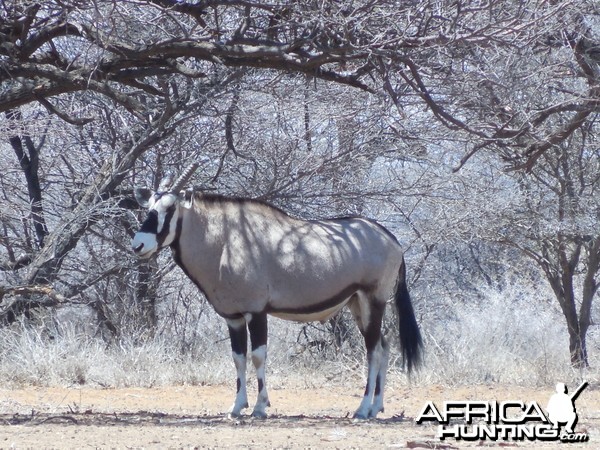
{"points": [[251, 259]]}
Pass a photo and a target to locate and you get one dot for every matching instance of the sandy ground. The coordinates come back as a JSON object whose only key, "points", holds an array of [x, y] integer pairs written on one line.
{"points": [[194, 417]]}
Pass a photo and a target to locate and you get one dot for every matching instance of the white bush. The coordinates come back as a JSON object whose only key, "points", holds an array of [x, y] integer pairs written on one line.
{"points": [[517, 335]]}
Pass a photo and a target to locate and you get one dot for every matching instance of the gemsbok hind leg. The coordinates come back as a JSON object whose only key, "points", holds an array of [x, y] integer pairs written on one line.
{"points": [[239, 349], [368, 313], [377, 405], [258, 338]]}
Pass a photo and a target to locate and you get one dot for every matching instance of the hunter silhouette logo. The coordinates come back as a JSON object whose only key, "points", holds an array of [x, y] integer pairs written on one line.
{"points": [[561, 407], [508, 420]]}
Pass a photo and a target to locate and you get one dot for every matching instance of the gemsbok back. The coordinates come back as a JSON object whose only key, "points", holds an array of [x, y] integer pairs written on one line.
{"points": [[251, 259]]}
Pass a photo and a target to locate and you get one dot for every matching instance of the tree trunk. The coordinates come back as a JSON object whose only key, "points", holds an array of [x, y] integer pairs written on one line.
{"points": [[577, 328], [590, 287], [577, 348], [577, 332], [28, 156]]}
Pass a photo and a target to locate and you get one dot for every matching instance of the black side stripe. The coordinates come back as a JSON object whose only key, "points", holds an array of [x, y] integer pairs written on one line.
{"points": [[322, 305]]}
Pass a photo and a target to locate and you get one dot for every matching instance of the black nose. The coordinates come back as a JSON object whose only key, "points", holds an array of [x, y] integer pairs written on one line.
{"points": [[138, 248]]}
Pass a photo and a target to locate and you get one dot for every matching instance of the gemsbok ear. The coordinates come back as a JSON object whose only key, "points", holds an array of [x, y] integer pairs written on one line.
{"points": [[142, 195]]}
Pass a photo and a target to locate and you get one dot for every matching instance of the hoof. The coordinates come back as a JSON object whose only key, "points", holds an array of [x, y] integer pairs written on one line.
{"points": [[235, 412], [373, 413], [259, 414]]}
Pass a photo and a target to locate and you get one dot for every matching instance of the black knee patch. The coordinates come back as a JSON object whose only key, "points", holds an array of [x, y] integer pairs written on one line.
{"points": [[258, 330], [239, 339]]}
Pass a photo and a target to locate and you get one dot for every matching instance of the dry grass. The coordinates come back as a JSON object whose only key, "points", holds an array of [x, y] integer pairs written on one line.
{"points": [[504, 338]]}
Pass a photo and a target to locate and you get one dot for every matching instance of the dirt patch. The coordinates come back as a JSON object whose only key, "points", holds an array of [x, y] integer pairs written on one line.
{"points": [[194, 417]]}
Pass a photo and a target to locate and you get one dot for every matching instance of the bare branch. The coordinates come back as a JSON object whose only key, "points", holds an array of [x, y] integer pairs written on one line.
{"points": [[38, 289], [64, 116]]}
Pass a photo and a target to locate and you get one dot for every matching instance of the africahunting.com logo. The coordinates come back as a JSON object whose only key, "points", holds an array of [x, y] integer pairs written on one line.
{"points": [[508, 420]]}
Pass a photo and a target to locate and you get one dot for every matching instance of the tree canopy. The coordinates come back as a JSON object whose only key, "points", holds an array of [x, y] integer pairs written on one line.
{"points": [[337, 107], [463, 60]]}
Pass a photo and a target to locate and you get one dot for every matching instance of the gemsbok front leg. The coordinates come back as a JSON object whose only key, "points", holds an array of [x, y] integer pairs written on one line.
{"points": [[257, 326], [239, 349]]}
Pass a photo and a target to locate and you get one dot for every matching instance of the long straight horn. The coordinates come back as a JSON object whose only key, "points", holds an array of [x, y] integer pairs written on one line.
{"points": [[166, 182], [185, 176]]}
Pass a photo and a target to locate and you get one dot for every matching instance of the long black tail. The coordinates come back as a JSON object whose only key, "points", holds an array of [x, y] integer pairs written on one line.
{"points": [[411, 343]]}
